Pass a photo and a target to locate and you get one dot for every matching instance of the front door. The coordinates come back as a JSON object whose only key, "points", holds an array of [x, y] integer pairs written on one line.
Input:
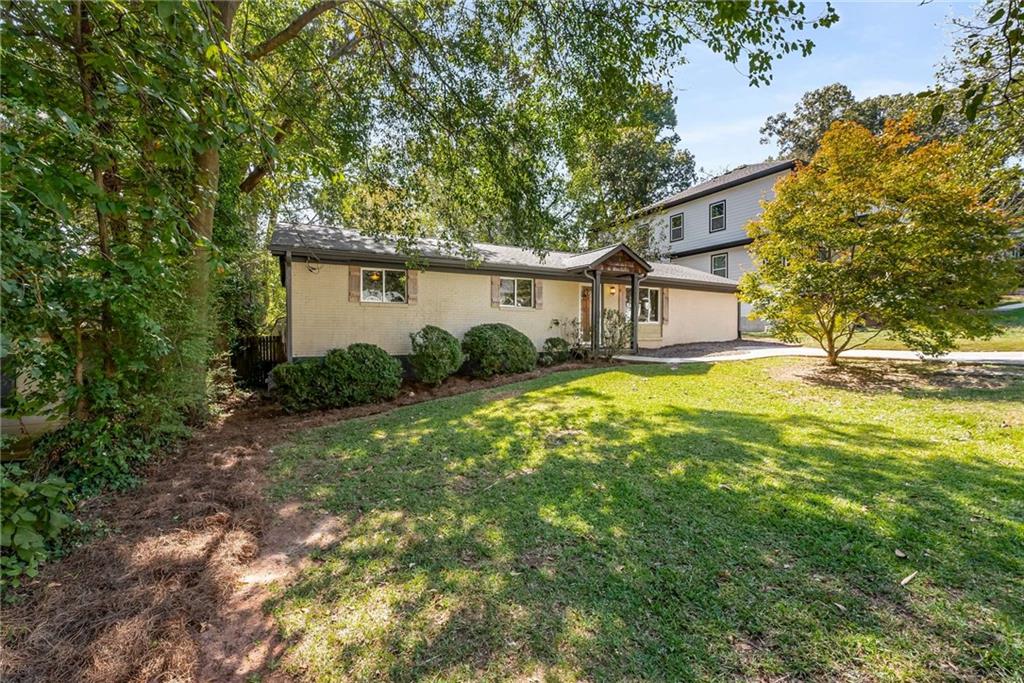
{"points": [[585, 293]]}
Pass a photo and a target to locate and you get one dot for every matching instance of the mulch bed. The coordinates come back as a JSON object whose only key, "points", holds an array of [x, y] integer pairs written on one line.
{"points": [[133, 604]]}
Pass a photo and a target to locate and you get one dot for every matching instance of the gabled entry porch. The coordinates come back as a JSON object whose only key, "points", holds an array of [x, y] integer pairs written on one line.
{"points": [[609, 269]]}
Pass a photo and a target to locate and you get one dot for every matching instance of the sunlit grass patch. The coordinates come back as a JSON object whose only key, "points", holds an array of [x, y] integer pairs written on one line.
{"points": [[722, 521]]}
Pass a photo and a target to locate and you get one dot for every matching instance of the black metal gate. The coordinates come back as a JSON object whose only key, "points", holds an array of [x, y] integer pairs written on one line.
{"points": [[254, 357]]}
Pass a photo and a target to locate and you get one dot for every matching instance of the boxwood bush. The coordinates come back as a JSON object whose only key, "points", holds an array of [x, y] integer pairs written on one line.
{"points": [[497, 349], [556, 350], [436, 354], [362, 373]]}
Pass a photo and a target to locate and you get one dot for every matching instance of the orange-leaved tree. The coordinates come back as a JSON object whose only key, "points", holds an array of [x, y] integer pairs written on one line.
{"points": [[880, 232]]}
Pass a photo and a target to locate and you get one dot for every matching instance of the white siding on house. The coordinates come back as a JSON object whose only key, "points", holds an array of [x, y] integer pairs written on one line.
{"points": [[742, 204]]}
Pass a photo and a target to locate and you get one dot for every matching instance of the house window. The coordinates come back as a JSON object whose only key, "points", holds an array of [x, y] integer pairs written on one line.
{"points": [[516, 292], [650, 304], [675, 227], [383, 286], [716, 216], [720, 265]]}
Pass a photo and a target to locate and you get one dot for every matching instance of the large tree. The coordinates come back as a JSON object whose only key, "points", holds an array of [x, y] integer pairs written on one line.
{"points": [[139, 139], [798, 134], [622, 168], [879, 231]]}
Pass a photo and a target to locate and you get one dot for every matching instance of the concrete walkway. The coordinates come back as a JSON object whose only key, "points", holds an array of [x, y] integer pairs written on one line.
{"points": [[1009, 307], [995, 357]]}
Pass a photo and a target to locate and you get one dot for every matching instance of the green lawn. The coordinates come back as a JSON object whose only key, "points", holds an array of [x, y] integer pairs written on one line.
{"points": [[642, 522], [1010, 339]]}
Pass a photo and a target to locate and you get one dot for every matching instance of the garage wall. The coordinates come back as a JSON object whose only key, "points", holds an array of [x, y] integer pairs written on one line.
{"points": [[739, 263], [695, 316]]}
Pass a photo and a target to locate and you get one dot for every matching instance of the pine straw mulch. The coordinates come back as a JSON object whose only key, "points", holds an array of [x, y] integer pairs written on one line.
{"points": [[174, 591], [898, 376]]}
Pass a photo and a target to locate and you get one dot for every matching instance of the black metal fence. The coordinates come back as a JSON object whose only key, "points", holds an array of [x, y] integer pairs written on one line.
{"points": [[254, 357]]}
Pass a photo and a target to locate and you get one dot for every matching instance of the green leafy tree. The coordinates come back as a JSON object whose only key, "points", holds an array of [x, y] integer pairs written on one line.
{"points": [[146, 143], [879, 230], [626, 167], [799, 133], [985, 73]]}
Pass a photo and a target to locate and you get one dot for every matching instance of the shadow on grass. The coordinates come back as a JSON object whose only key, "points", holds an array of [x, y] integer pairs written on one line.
{"points": [[625, 525]]}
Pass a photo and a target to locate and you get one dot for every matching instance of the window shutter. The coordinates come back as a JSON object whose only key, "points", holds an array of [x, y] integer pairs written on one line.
{"points": [[354, 284], [495, 291], [538, 294], [412, 286], [664, 305]]}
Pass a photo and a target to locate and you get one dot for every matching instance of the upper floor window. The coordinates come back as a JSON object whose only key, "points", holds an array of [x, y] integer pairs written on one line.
{"points": [[383, 286], [720, 264], [675, 224], [516, 292], [716, 216]]}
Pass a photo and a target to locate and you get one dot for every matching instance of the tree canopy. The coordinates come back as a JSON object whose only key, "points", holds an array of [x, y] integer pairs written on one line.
{"points": [[146, 143], [880, 231], [619, 169], [799, 133]]}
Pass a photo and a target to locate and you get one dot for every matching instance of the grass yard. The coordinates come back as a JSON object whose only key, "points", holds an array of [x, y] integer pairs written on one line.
{"points": [[1010, 339], [741, 520]]}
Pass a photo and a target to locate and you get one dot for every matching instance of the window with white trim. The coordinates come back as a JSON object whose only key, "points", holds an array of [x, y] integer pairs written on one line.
{"points": [[383, 286], [716, 216], [675, 227], [515, 292], [650, 304], [720, 264]]}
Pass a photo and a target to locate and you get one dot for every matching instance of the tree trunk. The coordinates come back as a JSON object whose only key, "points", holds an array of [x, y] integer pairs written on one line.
{"points": [[207, 179]]}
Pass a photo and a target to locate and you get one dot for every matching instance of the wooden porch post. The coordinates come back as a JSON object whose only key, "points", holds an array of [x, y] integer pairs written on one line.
{"points": [[596, 311], [634, 313]]}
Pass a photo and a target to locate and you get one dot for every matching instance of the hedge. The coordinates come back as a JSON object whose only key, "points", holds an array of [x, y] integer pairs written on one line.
{"points": [[497, 349], [436, 355], [362, 373]]}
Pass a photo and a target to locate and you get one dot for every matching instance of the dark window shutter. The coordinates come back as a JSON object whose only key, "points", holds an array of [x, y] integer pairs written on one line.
{"points": [[354, 283]]}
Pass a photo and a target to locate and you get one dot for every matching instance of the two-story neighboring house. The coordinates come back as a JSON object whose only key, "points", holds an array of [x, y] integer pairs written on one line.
{"points": [[704, 226]]}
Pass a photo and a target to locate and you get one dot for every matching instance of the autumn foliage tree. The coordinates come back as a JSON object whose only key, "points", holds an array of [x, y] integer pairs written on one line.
{"points": [[879, 231]]}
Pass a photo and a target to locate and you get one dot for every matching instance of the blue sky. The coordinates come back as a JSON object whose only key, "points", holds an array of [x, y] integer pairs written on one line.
{"points": [[875, 48]]}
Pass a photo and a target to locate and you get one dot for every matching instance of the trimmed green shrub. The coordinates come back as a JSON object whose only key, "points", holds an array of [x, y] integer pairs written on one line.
{"points": [[436, 354], [373, 374], [497, 349], [295, 385], [31, 521], [362, 373], [557, 349]]}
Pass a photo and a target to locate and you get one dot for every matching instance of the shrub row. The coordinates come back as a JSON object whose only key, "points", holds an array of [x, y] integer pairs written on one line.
{"points": [[364, 373]]}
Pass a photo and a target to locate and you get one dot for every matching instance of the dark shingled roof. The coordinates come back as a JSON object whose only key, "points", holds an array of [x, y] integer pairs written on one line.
{"points": [[738, 176], [343, 244]]}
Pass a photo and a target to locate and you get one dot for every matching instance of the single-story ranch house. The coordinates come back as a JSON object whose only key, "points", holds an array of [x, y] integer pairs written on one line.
{"points": [[345, 287]]}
